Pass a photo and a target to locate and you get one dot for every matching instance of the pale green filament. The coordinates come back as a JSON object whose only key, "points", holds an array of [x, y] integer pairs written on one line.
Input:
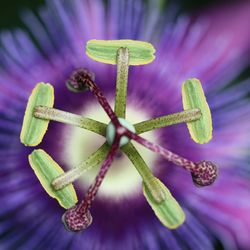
{"points": [[144, 171], [93, 160], [69, 118], [121, 82], [168, 120]]}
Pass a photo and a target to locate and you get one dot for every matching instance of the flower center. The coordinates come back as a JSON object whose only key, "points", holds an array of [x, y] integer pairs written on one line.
{"points": [[111, 132], [122, 180]]}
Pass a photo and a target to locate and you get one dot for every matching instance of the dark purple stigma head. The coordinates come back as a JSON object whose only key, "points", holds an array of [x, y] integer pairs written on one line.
{"points": [[77, 81], [75, 221], [205, 173]]}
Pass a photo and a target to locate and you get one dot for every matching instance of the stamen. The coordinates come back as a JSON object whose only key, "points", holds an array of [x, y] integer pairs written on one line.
{"points": [[158, 196], [204, 173], [33, 129], [121, 82], [78, 218], [193, 97], [144, 171], [53, 114], [168, 120], [76, 172]]}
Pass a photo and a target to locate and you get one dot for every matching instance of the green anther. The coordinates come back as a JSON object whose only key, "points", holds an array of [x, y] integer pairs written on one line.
{"points": [[121, 82], [111, 132], [105, 51], [46, 170], [168, 211], [193, 98], [148, 178], [158, 196], [33, 129]]}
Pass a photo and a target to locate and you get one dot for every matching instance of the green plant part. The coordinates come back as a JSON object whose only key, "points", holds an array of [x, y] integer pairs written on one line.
{"points": [[118, 134], [105, 51], [34, 129], [46, 170], [73, 174], [52, 114], [168, 211], [193, 98], [168, 120]]}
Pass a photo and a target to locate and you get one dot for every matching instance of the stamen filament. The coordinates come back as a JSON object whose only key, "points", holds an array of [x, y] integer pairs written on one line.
{"points": [[168, 120], [53, 114], [144, 171], [121, 82], [76, 172]]}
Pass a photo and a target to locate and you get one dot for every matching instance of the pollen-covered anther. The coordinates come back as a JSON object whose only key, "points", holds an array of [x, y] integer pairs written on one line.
{"points": [[78, 78], [205, 173], [76, 221]]}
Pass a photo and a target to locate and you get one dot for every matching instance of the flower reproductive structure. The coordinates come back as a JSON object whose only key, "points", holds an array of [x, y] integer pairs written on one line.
{"points": [[119, 134]]}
